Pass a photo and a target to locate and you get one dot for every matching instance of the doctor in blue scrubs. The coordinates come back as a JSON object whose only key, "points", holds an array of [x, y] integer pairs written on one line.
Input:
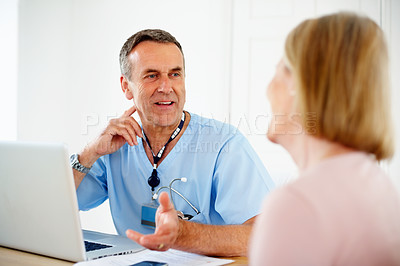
{"points": [[214, 179]]}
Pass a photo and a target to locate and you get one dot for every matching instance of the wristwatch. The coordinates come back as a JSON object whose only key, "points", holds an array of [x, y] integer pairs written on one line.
{"points": [[77, 165]]}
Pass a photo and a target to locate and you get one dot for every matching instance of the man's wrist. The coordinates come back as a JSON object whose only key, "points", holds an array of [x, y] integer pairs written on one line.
{"points": [[88, 157], [75, 164], [179, 237], [83, 161]]}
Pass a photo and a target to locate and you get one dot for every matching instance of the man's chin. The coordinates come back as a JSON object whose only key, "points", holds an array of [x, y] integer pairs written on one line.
{"points": [[167, 120]]}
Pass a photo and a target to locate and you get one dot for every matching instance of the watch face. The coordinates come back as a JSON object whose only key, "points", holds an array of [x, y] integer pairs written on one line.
{"points": [[73, 158]]}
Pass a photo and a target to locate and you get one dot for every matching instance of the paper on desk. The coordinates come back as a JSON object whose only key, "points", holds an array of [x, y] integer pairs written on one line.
{"points": [[173, 257]]}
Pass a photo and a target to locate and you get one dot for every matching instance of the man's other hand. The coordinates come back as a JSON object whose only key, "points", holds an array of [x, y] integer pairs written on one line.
{"points": [[115, 135], [167, 227]]}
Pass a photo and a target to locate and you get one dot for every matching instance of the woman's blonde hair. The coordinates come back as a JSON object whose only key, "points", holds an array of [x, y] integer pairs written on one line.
{"points": [[340, 63]]}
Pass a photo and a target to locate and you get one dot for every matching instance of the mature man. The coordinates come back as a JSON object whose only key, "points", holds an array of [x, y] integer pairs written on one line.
{"points": [[129, 163]]}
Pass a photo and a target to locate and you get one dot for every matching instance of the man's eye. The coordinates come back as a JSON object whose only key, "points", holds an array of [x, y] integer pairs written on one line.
{"points": [[152, 76], [175, 74]]}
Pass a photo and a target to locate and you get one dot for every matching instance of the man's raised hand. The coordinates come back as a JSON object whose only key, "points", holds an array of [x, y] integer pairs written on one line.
{"points": [[167, 227], [118, 131]]}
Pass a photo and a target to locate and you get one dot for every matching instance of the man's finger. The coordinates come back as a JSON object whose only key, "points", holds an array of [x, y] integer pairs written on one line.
{"points": [[123, 132], [165, 202], [130, 128], [133, 235], [129, 112], [136, 127], [153, 242]]}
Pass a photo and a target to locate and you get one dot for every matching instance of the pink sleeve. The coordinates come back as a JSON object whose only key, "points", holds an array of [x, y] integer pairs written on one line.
{"points": [[286, 232]]}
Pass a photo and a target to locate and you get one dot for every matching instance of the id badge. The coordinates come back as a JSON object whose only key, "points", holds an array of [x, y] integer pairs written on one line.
{"points": [[149, 214]]}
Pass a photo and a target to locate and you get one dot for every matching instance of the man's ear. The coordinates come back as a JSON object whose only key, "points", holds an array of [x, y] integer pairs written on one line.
{"points": [[125, 88]]}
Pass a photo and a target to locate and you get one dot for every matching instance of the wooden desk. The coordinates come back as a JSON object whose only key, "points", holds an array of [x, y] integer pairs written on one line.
{"points": [[12, 257]]}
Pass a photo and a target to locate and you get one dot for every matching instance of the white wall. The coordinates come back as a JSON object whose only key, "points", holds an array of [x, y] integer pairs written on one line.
{"points": [[68, 73], [8, 69], [391, 24]]}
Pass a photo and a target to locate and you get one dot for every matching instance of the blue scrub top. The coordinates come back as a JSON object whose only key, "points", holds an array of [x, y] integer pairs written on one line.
{"points": [[226, 181]]}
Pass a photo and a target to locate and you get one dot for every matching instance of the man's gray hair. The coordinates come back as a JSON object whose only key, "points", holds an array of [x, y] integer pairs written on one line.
{"points": [[154, 35]]}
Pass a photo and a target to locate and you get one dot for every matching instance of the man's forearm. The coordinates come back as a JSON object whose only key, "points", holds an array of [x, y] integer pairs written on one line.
{"points": [[214, 240], [211, 240], [86, 158]]}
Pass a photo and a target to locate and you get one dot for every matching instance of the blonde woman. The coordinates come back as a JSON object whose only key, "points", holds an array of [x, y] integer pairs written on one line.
{"points": [[332, 86]]}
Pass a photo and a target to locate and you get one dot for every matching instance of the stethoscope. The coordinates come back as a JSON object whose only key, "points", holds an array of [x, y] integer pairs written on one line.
{"points": [[183, 179]]}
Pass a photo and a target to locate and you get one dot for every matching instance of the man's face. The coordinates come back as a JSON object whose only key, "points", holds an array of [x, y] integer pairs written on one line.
{"points": [[157, 83]]}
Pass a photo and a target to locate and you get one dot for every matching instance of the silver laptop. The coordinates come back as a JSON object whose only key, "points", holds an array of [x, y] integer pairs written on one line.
{"points": [[39, 209]]}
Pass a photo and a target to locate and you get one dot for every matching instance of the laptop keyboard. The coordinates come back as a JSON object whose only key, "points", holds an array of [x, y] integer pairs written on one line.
{"points": [[90, 246]]}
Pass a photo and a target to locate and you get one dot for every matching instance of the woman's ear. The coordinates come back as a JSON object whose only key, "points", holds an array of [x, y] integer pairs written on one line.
{"points": [[125, 88]]}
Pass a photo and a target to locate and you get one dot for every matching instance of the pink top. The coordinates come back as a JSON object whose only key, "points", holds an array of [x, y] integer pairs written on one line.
{"points": [[343, 211]]}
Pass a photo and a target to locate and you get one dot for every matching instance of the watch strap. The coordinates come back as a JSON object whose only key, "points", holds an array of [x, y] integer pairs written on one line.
{"points": [[75, 164]]}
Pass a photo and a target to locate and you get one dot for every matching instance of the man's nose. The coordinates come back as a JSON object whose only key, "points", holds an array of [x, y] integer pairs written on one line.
{"points": [[165, 85]]}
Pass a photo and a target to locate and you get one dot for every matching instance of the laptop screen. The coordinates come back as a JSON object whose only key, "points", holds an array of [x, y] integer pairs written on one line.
{"points": [[38, 205]]}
